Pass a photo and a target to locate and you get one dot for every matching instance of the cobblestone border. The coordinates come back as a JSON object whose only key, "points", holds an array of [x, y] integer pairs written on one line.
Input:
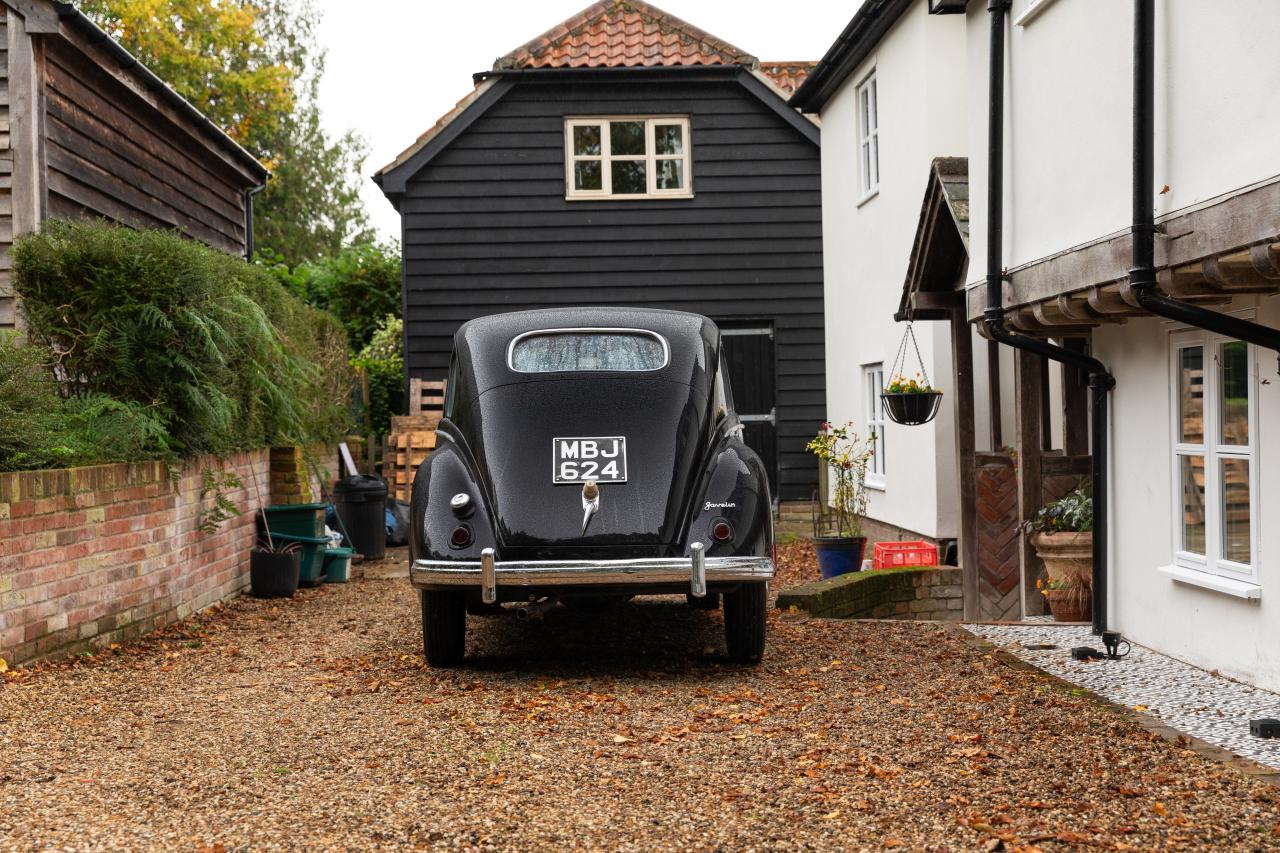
{"points": [[1204, 749]]}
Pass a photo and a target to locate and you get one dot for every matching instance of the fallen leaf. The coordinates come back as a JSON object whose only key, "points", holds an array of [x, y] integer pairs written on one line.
{"points": [[623, 739]]}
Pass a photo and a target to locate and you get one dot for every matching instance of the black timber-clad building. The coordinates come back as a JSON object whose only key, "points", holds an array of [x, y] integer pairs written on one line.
{"points": [[628, 158]]}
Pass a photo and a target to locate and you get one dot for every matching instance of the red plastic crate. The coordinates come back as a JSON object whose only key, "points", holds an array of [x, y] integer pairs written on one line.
{"points": [[893, 555]]}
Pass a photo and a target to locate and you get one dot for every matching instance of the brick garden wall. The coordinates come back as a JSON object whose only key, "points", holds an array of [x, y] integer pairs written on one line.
{"points": [[908, 593], [90, 556]]}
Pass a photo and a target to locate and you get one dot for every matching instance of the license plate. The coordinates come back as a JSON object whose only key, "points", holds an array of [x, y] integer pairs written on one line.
{"points": [[576, 460]]}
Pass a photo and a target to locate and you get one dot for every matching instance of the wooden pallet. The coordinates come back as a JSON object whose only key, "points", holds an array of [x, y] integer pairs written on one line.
{"points": [[410, 450]]}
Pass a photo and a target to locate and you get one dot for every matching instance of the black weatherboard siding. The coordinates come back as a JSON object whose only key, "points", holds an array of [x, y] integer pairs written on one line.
{"points": [[487, 229]]}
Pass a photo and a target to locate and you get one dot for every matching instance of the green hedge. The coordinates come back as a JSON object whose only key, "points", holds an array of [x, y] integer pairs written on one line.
{"points": [[212, 349]]}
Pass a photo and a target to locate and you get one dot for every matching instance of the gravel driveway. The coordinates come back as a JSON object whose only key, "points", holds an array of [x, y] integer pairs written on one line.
{"points": [[313, 724]]}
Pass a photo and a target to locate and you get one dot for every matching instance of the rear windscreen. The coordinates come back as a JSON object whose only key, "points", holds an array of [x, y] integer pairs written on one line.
{"points": [[559, 352]]}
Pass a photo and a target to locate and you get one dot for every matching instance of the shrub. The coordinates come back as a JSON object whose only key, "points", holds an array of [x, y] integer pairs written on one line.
{"points": [[360, 285], [382, 361], [163, 331], [41, 429]]}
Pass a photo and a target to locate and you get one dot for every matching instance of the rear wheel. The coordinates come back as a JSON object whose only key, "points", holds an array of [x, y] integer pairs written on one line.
{"points": [[744, 612], [444, 627]]}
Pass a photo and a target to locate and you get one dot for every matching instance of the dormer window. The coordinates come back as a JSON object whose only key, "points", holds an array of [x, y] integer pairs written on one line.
{"points": [[627, 157]]}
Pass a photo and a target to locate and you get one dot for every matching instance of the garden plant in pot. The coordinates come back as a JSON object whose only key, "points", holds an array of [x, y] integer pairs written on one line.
{"points": [[274, 565], [910, 401], [1062, 534], [837, 538]]}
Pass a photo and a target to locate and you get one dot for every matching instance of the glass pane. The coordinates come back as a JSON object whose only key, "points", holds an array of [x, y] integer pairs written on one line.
{"points": [[668, 139], [586, 140], [1192, 478], [1235, 510], [556, 352], [1233, 367], [587, 175], [874, 123], [1191, 395], [626, 137], [628, 177], [670, 174]]}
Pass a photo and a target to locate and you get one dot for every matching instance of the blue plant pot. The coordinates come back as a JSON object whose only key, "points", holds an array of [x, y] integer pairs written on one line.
{"points": [[838, 555]]}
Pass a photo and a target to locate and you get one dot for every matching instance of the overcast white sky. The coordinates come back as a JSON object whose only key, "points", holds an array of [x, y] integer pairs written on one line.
{"points": [[395, 66]]}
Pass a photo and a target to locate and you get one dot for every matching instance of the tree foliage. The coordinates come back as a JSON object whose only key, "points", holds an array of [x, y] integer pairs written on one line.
{"points": [[254, 68], [360, 284]]}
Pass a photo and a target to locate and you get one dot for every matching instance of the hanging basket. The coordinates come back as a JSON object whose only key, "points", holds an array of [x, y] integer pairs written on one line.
{"points": [[912, 409], [920, 402]]}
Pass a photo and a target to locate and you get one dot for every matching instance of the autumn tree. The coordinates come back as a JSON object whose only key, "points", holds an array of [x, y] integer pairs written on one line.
{"points": [[254, 68]]}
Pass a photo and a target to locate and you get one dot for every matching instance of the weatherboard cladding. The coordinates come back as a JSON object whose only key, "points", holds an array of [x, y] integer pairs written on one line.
{"points": [[487, 229]]}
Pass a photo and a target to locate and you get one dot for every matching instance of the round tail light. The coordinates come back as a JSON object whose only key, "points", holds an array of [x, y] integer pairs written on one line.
{"points": [[461, 536], [722, 531]]}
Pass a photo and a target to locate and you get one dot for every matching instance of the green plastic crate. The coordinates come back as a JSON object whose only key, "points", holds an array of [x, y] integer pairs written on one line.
{"points": [[337, 565], [313, 548], [296, 519]]}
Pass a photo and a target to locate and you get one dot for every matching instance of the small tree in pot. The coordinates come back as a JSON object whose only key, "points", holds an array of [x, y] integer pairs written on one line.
{"points": [[840, 543], [1062, 533]]}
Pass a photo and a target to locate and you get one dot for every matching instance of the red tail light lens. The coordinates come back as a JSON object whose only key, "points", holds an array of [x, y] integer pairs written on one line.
{"points": [[461, 536], [722, 531]]}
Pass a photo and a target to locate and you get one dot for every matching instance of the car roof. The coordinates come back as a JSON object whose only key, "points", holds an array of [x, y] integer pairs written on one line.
{"points": [[481, 344]]}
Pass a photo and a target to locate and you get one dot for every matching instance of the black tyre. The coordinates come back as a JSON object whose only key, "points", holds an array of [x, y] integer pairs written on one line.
{"points": [[710, 601], [744, 622], [444, 627]]}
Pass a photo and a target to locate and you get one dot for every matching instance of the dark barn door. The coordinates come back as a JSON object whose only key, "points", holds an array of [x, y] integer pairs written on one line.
{"points": [[749, 353]]}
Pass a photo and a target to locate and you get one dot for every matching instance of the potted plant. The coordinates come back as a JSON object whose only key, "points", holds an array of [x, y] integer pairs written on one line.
{"points": [[911, 401], [839, 542], [1062, 534], [274, 565], [1068, 601]]}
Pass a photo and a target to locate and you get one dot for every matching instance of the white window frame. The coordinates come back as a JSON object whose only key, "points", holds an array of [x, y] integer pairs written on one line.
{"points": [[868, 103], [650, 158], [1214, 452], [873, 413]]}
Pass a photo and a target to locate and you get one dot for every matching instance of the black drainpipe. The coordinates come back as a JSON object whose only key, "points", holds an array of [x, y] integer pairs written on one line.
{"points": [[1100, 379], [1142, 277], [249, 247]]}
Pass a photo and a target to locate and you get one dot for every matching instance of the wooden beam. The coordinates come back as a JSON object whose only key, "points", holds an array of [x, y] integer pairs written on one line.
{"points": [[993, 384], [1075, 403], [962, 360], [1028, 412], [936, 300], [26, 119], [1235, 273]]}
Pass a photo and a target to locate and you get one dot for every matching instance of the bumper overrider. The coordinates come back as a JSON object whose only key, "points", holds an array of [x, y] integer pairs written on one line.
{"points": [[488, 574]]}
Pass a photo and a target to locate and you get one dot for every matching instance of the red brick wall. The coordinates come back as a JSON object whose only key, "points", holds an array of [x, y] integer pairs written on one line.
{"points": [[90, 556]]}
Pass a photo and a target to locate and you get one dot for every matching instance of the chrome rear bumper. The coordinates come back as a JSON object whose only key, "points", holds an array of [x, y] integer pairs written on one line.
{"points": [[487, 574]]}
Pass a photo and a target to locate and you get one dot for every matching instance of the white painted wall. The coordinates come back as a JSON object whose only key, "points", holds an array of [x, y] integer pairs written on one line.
{"points": [[1068, 115], [1067, 166], [919, 70], [1209, 629]]}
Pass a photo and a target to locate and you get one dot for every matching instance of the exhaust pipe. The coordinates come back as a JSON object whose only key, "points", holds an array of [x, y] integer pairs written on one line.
{"points": [[535, 609]]}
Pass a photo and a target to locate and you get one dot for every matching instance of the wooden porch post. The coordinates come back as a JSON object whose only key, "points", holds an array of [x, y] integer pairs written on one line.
{"points": [[1029, 394], [962, 359]]}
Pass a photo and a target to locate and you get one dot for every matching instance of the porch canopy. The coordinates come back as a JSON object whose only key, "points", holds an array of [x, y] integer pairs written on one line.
{"points": [[940, 252]]}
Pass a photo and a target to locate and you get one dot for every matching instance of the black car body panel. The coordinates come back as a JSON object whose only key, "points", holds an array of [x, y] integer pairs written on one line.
{"points": [[687, 467]]}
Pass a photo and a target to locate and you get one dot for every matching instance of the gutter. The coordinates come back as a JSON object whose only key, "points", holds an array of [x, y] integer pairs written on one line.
{"points": [[128, 62], [249, 247], [1099, 378], [1142, 275]]}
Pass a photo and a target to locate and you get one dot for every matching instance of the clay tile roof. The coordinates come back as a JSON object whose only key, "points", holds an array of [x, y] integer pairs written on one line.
{"points": [[787, 76], [621, 34]]}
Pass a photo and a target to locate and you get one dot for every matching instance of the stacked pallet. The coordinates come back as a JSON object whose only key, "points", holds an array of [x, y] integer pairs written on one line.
{"points": [[412, 436]]}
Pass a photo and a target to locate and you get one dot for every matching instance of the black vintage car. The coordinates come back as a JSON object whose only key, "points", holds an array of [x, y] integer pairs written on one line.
{"points": [[588, 455]]}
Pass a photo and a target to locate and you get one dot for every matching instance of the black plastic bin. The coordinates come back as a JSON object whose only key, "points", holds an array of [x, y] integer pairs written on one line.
{"points": [[361, 503]]}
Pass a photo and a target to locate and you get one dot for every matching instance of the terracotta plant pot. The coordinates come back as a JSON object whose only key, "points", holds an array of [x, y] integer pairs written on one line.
{"points": [[1068, 557], [1069, 605]]}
